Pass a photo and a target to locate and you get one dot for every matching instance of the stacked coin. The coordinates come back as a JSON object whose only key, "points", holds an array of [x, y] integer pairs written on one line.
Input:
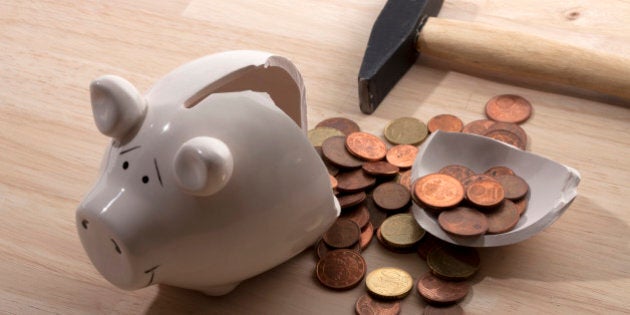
{"points": [[470, 204]]}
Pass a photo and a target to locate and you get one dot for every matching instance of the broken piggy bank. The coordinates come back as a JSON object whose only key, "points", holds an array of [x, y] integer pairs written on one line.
{"points": [[209, 179]]}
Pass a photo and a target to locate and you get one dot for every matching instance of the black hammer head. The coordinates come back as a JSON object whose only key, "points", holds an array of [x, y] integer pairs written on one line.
{"points": [[391, 49]]}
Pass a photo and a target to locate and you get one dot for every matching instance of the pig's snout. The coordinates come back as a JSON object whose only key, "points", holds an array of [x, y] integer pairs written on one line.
{"points": [[109, 250]]}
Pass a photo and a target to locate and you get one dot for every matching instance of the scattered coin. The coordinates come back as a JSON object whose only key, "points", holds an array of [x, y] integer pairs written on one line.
{"points": [[503, 219], [506, 137], [334, 149], [377, 216], [401, 231], [427, 244], [453, 262], [513, 128], [342, 234], [478, 127], [366, 235], [508, 108], [443, 310], [405, 130], [366, 305], [345, 125], [402, 155], [332, 170], [389, 283], [436, 290], [404, 178], [445, 122], [354, 181], [485, 193], [499, 170], [317, 136], [380, 169], [366, 146], [463, 221], [438, 191], [322, 249], [359, 214], [458, 171], [515, 187], [391, 196], [350, 200], [341, 269]]}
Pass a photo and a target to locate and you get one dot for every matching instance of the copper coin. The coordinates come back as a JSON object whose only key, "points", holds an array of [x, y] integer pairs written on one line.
{"points": [[333, 182], [485, 193], [513, 128], [359, 214], [453, 262], [402, 155], [445, 122], [503, 219], [476, 178], [332, 170], [354, 181], [454, 309], [506, 137], [322, 249], [342, 124], [341, 269], [377, 216], [478, 127], [342, 234], [380, 168], [366, 146], [366, 235], [436, 290], [509, 108], [499, 170], [404, 178], [458, 171], [521, 205], [347, 201], [334, 149], [463, 221], [438, 190], [427, 244], [366, 305], [391, 196], [515, 187]]}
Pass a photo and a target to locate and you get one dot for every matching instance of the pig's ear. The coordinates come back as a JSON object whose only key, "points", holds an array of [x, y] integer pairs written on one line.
{"points": [[203, 166], [117, 106]]}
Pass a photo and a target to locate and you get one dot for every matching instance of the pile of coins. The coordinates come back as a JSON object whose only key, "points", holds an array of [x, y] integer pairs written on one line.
{"points": [[372, 184], [469, 204]]}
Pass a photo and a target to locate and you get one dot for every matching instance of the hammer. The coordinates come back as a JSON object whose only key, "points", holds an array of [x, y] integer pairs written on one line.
{"points": [[406, 28]]}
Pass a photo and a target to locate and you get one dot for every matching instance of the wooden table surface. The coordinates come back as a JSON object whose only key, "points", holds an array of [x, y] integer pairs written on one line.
{"points": [[51, 149]]}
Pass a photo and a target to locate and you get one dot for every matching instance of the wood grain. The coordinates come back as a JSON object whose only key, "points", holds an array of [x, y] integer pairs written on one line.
{"points": [[51, 150]]}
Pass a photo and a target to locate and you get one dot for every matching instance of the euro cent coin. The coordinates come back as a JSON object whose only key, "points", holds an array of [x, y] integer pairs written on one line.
{"points": [[389, 283]]}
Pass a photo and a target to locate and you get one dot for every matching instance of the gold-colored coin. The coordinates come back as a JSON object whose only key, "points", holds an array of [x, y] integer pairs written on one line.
{"points": [[318, 135], [389, 283], [401, 230], [406, 130]]}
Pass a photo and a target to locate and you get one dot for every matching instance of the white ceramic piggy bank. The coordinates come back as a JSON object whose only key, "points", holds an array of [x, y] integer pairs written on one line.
{"points": [[210, 178]]}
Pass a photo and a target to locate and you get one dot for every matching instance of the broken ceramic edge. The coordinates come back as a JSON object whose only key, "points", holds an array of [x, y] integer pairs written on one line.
{"points": [[553, 186]]}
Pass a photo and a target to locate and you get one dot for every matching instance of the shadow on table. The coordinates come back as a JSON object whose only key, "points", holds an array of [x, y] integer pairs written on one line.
{"points": [[590, 246]]}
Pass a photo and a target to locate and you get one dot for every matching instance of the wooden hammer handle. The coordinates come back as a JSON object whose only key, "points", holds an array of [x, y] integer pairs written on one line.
{"points": [[525, 56]]}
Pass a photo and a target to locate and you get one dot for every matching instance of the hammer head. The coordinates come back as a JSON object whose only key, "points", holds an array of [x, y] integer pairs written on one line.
{"points": [[391, 49]]}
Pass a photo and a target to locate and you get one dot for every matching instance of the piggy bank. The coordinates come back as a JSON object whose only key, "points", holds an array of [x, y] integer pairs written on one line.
{"points": [[209, 179]]}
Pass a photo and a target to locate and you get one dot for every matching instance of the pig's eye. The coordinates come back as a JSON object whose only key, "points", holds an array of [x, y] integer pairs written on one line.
{"points": [[145, 179], [125, 165]]}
